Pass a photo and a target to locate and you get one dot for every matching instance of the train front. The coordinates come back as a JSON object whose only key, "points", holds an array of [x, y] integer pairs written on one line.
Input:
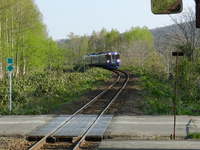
{"points": [[113, 60]]}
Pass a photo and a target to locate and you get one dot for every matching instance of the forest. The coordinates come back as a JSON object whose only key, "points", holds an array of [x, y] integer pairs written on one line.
{"points": [[48, 73], [136, 47], [24, 38]]}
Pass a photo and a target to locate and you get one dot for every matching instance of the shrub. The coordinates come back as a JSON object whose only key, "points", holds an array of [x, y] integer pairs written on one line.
{"points": [[28, 90]]}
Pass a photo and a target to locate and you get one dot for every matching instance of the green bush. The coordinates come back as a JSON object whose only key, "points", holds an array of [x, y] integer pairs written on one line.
{"points": [[51, 86], [158, 97], [194, 136]]}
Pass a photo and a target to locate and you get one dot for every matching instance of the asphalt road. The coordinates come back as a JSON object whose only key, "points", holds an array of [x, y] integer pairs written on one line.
{"points": [[21, 125], [152, 127], [149, 145]]}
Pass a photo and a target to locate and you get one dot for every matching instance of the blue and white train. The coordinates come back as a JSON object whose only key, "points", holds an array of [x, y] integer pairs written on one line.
{"points": [[108, 60]]}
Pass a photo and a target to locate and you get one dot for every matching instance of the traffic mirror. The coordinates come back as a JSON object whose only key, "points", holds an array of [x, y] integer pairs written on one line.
{"points": [[166, 6]]}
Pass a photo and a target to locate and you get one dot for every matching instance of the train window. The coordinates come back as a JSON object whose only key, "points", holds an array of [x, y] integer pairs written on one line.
{"points": [[115, 57], [108, 57]]}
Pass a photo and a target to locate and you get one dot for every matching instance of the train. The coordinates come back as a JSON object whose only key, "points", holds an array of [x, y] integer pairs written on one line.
{"points": [[107, 60]]}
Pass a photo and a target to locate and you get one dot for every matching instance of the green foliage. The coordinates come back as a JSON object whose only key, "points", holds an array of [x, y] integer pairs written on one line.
{"points": [[40, 92], [155, 64], [112, 39], [158, 90], [139, 34], [158, 96], [188, 80], [23, 37], [194, 136], [134, 45]]}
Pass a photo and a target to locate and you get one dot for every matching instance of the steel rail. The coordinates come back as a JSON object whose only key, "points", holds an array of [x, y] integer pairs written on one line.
{"points": [[41, 142], [83, 136]]}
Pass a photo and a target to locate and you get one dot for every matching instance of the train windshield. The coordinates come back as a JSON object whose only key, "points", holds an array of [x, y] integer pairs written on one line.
{"points": [[108, 57], [116, 57]]}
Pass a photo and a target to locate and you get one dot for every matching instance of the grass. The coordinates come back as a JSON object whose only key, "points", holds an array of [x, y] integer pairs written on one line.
{"points": [[41, 93], [41, 105], [157, 92], [194, 136]]}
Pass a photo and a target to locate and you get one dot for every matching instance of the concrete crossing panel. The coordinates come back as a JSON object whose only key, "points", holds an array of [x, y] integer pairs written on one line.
{"points": [[75, 127], [44, 130], [101, 126]]}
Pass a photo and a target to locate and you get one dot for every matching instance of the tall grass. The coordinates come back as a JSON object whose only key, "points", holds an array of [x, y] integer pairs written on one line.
{"points": [[40, 92]]}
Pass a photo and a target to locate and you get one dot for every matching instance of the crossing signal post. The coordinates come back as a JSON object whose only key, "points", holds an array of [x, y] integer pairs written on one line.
{"points": [[177, 55], [10, 69]]}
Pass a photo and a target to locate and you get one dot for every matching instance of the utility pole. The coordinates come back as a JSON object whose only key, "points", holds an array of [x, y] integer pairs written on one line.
{"points": [[197, 13], [176, 54]]}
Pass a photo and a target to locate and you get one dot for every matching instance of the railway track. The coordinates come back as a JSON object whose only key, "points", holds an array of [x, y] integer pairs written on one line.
{"points": [[98, 106]]}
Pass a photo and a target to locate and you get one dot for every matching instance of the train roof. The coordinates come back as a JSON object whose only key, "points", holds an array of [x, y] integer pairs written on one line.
{"points": [[103, 53]]}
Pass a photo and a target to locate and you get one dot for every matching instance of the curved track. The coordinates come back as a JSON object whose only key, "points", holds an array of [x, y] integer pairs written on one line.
{"points": [[100, 107]]}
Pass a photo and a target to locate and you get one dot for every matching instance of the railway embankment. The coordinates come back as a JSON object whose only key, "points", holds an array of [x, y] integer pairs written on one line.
{"points": [[156, 92], [42, 93]]}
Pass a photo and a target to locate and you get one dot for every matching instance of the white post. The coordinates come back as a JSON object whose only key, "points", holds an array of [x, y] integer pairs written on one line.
{"points": [[10, 91]]}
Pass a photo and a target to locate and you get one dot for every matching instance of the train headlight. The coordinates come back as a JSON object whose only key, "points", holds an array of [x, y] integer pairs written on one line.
{"points": [[108, 61], [118, 60], [116, 53], [109, 53]]}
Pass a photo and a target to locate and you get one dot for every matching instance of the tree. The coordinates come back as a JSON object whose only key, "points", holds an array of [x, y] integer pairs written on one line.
{"points": [[23, 36], [186, 39], [112, 40], [186, 34]]}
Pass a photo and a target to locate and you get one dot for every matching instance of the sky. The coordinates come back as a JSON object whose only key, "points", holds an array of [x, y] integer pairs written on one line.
{"points": [[82, 17]]}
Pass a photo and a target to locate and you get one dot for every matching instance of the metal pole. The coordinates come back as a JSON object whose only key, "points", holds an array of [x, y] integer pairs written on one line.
{"points": [[10, 91], [175, 98]]}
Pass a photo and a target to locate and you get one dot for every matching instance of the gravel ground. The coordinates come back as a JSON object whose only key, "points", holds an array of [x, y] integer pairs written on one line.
{"points": [[13, 143]]}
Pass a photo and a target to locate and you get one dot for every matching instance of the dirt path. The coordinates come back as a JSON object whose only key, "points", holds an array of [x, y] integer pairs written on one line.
{"points": [[73, 106], [130, 101]]}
